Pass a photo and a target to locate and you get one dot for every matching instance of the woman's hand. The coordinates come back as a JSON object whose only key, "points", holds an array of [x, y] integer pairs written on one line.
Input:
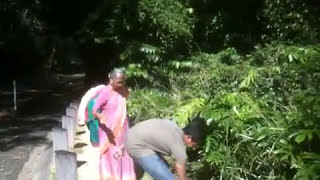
{"points": [[101, 117], [118, 152]]}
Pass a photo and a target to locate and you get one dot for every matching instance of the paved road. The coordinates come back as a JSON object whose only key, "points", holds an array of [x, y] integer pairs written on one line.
{"points": [[11, 162], [33, 122]]}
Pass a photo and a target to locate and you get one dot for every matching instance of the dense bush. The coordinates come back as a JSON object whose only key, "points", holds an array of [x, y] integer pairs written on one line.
{"points": [[262, 110]]}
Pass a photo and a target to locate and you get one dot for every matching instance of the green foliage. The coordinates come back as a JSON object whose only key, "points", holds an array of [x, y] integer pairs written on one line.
{"points": [[151, 103], [164, 14], [169, 19], [187, 110], [142, 53], [290, 20], [262, 110], [135, 70]]}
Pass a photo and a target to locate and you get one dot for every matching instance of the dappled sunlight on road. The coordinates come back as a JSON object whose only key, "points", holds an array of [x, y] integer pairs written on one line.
{"points": [[87, 156]]}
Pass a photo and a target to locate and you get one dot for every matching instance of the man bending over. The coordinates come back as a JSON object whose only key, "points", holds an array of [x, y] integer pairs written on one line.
{"points": [[149, 138]]}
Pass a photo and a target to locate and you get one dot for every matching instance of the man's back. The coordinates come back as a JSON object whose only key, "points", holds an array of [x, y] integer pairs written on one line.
{"points": [[156, 135]]}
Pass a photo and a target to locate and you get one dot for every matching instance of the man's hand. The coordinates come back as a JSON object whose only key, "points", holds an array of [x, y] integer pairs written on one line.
{"points": [[181, 170]]}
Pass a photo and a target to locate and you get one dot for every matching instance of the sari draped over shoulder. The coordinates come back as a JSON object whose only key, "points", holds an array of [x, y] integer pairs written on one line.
{"points": [[82, 110], [112, 105]]}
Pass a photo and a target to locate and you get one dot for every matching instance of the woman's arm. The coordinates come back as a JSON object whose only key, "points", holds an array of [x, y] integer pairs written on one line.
{"points": [[101, 101]]}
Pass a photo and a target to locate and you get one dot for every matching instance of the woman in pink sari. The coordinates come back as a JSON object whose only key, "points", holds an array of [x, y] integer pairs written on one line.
{"points": [[115, 163]]}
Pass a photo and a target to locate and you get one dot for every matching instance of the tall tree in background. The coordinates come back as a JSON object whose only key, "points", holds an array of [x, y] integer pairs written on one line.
{"points": [[152, 31]]}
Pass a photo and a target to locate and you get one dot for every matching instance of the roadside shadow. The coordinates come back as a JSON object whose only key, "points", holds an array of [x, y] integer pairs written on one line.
{"points": [[22, 132], [80, 145], [32, 122], [36, 117], [80, 132], [80, 163]]}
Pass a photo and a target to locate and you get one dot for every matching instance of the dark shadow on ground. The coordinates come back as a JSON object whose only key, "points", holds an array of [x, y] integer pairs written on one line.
{"points": [[40, 108], [13, 134], [36, 116], [80, 132], [31, 123], [80, 145], [139, 171], [80, 163]]}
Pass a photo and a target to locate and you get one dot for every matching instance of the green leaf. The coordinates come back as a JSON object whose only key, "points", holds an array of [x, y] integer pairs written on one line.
{"points": [[310, 135], [300, 138], [208, 145], [290, 58], [284, 157]]}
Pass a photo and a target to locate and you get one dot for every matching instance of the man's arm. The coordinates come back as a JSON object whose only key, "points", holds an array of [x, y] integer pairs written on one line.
{"points": [[180, 168]]}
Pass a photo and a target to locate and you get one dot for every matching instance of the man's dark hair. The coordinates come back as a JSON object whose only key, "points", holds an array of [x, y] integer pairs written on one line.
{"points": [[196, 129]]}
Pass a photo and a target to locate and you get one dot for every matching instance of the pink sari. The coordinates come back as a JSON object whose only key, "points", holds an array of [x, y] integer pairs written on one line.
{"points": [[113, 106]]}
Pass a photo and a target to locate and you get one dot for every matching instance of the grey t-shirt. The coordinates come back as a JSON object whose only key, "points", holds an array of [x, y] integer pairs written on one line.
{"points": [[156, 135]]}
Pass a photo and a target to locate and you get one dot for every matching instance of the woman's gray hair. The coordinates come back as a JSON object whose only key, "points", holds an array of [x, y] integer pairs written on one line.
{"points": [[117, 72]]}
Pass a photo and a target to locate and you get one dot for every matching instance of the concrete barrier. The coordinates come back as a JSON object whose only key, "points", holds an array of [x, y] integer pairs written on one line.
{"points": [[66, 165], [68, 123]]}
